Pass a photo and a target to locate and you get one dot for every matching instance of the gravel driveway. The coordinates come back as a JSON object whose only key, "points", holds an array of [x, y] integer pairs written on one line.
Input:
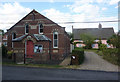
{"points": [[94, 62]]}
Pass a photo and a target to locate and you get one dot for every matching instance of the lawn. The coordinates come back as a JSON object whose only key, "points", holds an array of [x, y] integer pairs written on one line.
{"points": [[32, 65]]}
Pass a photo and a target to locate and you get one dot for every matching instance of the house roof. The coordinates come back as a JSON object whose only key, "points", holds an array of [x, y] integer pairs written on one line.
{"points": [[103, 33], [38, 37], [39, 16]]}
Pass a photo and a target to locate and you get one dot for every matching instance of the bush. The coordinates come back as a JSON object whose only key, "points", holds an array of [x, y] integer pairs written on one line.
{"points": [[4, 51], [102, 47], [9, 53], [79, 54], [111, 55]]}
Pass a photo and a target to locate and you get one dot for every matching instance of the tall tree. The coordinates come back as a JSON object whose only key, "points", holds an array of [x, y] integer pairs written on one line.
{"points": [[114, 40], [88, 40]]}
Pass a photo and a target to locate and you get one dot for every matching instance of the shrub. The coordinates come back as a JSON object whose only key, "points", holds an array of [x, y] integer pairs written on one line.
{"points": [[9, 54], [80, 54], [111, 55], [102, 47], [4, 51]]}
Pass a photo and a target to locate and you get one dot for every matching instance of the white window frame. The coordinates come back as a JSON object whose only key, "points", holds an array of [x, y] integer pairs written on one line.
{"points": [[38, 45], [13, 39], [56, 39], [40, 28], [13, 35], [5, 43], [6, 37], [25, 28]]}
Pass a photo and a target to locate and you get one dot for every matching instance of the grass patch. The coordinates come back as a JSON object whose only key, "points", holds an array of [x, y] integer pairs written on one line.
{"points": [[32, 65], [72, 66], [92, 50]]}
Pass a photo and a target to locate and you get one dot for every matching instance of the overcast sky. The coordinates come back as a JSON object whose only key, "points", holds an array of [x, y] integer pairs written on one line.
{"points": [[64, 11]]}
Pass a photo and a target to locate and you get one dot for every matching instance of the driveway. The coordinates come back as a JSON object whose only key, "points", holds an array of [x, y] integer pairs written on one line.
{"points": [[30, 73], [94, 62]]}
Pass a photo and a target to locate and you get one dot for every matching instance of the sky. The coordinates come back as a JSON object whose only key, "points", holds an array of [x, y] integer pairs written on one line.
{"points": [[61, 11]]}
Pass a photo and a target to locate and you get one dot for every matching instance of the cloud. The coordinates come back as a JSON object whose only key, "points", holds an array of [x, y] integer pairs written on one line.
{"points": [[58, 17], [112, 2], [10, 13], [104, 9], [82, 11]]}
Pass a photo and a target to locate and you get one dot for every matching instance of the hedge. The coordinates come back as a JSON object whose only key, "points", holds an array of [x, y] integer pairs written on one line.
{"points": [[111, 55], [80, 54]]}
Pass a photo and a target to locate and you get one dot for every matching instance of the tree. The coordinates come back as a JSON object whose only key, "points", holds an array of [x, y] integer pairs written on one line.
{"points": [[88, 40], [4, 51], [99, 43], [114, 40], [102, 47]]}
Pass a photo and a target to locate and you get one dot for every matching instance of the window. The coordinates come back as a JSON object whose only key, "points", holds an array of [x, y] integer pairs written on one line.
{"points": [[55, 39], [93, 45], [5, 43], [5, 37], [108, 46], [40, 28], [13, 35], [38, 49], [26, 28], [80, 45]]}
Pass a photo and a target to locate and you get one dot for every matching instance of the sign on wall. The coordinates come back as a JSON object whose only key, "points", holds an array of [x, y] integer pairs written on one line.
{"points": [[33, 26]]}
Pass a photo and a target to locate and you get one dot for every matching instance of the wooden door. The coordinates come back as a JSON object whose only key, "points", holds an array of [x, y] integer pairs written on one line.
{"points": [[29, 49]]}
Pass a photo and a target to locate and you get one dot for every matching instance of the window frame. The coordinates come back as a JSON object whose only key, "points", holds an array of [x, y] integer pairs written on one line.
{"points": [[38, 47], [13, 35], [54, 39], [26, 29], [40, 28], [5, 43]]}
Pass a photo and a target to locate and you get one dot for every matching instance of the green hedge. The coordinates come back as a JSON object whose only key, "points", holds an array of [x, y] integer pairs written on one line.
{"points": [[111, 55], [80, 54]]}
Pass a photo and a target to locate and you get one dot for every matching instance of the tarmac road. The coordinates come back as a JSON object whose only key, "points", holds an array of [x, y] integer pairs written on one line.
{"points": [[32, 73]]}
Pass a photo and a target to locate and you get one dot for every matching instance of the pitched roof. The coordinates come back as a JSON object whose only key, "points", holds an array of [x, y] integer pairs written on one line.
{"points": [[19, 38], [103, 33], [38, 37], [40, 16]]}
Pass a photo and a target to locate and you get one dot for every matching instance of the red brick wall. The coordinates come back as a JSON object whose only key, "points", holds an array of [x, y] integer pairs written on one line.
{"points": [[49, 28]]}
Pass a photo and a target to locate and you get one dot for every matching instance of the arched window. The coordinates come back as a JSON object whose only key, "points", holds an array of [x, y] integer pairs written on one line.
{"points": [[55, 39], [26, 29], [13, 35], [40, 28]]}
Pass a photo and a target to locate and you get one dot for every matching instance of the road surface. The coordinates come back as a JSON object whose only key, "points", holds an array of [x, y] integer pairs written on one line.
{"points": [[29, 73]]}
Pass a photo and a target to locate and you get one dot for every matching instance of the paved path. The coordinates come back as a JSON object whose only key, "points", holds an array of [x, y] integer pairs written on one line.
{"points": [[94, 62], [30, 73], [66, 61]]}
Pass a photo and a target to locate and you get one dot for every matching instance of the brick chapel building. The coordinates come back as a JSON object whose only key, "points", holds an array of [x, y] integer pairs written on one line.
{"points": [[37, 38]]}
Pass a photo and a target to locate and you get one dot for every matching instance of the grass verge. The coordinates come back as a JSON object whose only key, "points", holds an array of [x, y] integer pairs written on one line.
{"points": [[32, 65]]}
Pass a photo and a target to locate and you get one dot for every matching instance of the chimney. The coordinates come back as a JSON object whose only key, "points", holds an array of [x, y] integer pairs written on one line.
{"points": [[72, 28], [100, 26]]}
